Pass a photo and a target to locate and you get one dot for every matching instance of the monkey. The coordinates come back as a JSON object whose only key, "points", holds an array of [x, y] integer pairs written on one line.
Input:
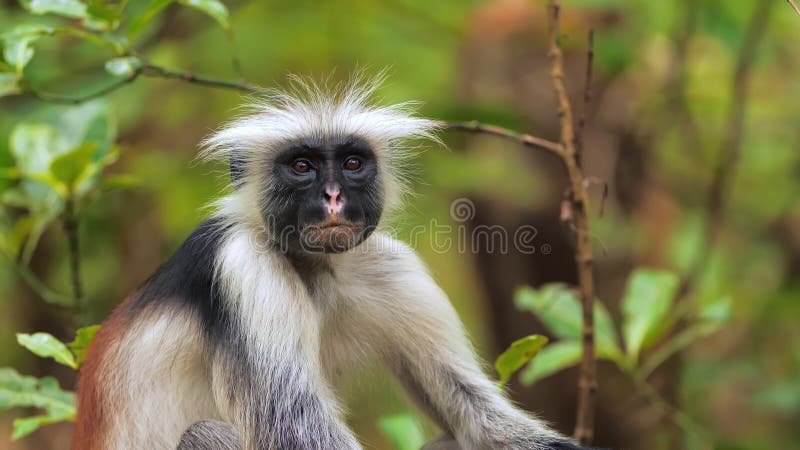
{"points": [[237, 340]]}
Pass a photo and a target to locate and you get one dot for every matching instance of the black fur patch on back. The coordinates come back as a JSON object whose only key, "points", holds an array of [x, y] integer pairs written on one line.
{"points": [[186, 280]]}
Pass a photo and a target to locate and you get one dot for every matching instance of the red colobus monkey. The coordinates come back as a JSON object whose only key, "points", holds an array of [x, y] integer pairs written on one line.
{"points": [[237, 340]]}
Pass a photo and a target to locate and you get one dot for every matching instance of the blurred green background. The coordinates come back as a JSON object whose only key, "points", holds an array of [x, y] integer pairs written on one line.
{"points": [[661, 95]]}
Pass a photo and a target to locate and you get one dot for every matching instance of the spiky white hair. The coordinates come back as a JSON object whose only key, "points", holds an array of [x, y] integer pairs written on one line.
{"points": [[311, 110]]}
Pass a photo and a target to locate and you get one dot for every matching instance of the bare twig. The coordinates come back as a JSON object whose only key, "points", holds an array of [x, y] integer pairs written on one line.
{"points": [[147, 70], [587, 384], [794, 5], [73, 100], [71, 229], [524, 139], [676, 81], [50, 296], [587, 96], [155, 71]]}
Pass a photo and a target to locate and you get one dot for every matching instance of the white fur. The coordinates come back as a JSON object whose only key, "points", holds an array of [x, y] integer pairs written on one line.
{"points": [[157, 366], [312, 110]]}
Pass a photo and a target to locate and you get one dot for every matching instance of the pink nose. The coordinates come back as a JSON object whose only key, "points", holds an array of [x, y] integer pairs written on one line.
{"points": [[333, 199]]}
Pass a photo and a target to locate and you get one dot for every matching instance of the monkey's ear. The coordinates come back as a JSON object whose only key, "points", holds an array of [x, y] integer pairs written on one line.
{"points": [[237, 168]]}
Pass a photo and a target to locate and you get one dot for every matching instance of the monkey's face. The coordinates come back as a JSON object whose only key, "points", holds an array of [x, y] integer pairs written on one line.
{"points": [[324, 195]]}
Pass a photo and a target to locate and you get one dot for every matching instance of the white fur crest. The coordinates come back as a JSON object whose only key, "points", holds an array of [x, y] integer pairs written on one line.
{"points": [[311, 110]]}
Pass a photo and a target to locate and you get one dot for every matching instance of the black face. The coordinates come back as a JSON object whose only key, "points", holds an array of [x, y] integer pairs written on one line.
{"points": [[325, 195]]}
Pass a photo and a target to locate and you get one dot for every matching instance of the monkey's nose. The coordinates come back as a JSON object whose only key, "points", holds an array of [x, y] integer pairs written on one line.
{"points": [[333, 199]]}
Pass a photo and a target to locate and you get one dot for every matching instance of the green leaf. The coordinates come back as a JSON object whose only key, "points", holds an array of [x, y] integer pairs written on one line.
{"points": [[559, 308], [645, 308], [517, 355], [28, 29], [47, 346], [26, 426], [718, 311], [551, 359], [9, 84], [68, 167], [34, 146], [403, 431], [24, 391], [123, 67], [67, 8], [108, 14], [139, 23], [18, 52], [213, 8], [83, 339]]}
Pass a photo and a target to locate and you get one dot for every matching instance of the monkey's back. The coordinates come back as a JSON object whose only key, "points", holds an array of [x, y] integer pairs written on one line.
{"points": [[144, 379]]}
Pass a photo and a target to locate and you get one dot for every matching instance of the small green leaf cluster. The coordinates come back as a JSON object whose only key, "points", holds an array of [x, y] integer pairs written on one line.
{"points": [[107, 24], [648, 322], [57, 159], [43, 393]]}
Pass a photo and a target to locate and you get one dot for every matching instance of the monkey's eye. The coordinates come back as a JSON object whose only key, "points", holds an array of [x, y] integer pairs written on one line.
{"points": [[352, 164], [301, 166]]}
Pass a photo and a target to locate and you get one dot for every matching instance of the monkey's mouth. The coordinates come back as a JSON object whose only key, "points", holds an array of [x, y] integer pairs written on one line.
{"points": [[331, 236]]}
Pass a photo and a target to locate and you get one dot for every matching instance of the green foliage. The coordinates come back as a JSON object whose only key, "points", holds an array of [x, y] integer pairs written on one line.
{"points": [[140, 22], [47, 346], [123, 67], [68, 8], [403, 431], [553, 358], [519, 353], [45, 393], [83, 339], [645, 307], [56, 160], [213, 8], [559, 309]]}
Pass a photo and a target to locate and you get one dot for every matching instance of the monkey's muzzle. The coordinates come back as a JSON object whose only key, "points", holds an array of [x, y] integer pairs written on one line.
{"points": [[332, 236]]}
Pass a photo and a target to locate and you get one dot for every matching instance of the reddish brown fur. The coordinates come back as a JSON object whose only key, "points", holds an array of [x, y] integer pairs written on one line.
{"points": [[91, 423]]}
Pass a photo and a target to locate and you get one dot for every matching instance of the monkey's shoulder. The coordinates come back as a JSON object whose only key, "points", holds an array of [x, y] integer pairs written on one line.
{"points": [[186, 279]]}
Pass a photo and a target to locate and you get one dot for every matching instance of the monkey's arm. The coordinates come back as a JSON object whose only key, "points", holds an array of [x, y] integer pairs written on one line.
{"points": [[433, 358]]}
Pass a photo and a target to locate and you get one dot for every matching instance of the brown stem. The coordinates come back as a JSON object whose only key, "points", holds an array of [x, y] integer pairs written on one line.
{"points": [[587, 96], [578, 197], [72, 100], [524, 139], [148, 70], [152, 70], [676, 81], [794, 6], [71, 229]]}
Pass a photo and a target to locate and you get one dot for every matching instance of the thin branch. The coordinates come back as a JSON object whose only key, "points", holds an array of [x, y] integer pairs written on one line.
{"points": [[794, 5], [73, 100], [71, 229], [147, 70], [587, 96], [730, 147], [155, 71], [579, 202], [50, 296], [521, 138], [676, 416], [676, 81]]}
